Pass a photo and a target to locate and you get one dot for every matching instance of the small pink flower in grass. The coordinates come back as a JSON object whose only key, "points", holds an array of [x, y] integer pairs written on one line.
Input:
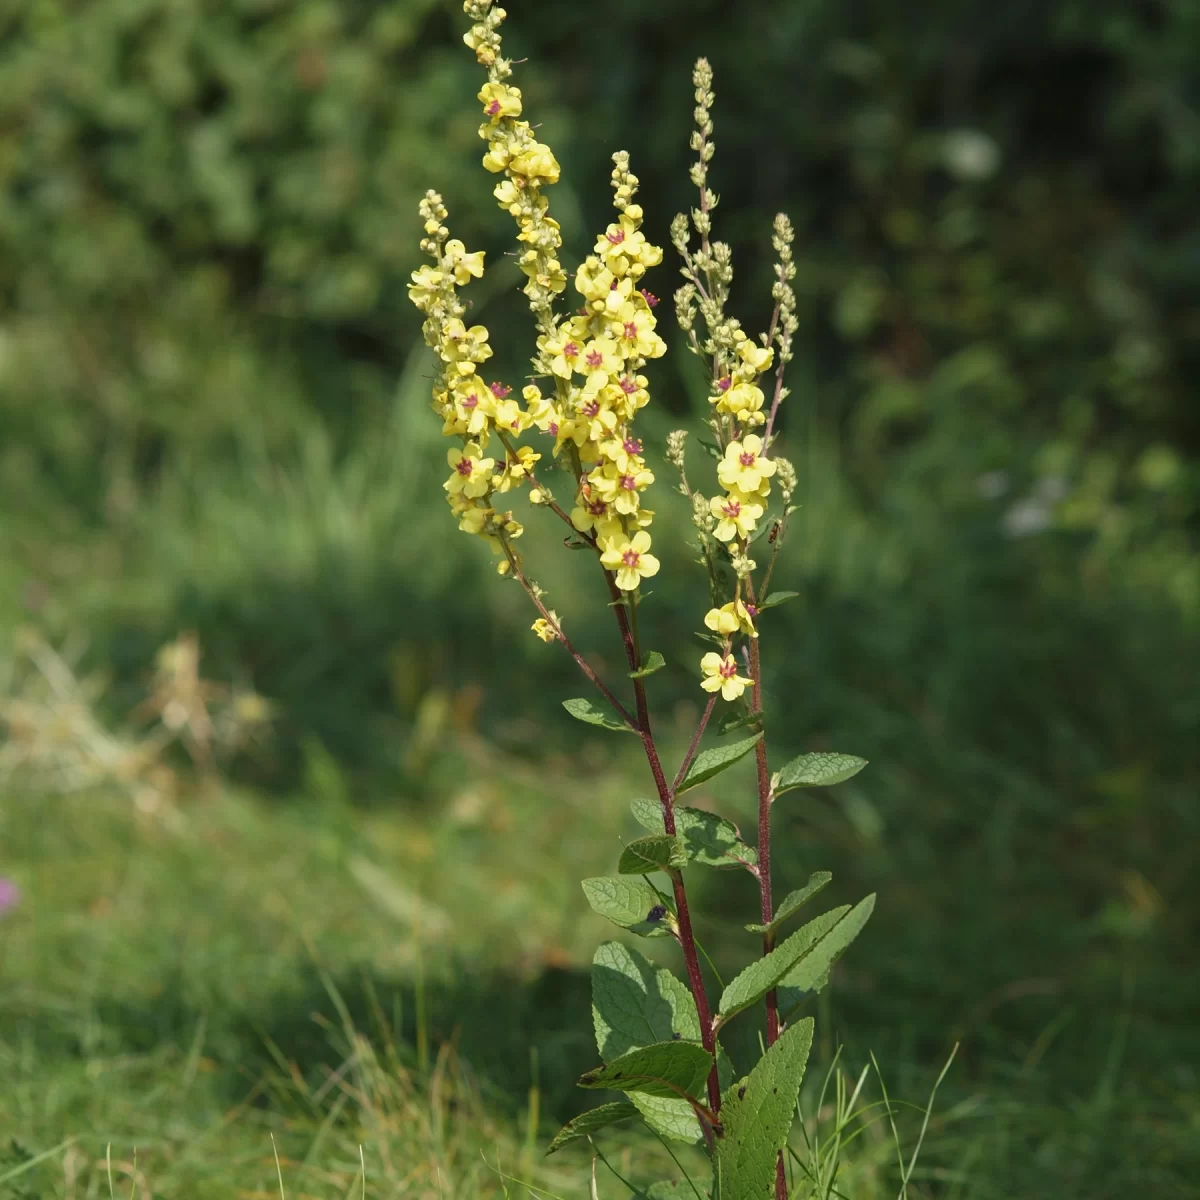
{"points": [[10, 895]]}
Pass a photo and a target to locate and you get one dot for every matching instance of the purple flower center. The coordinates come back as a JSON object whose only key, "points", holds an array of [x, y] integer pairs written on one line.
{"points": [[631, 330], [632, 446], [628, 386], [752, 609], [732, 509], [728, 668], [650, 298], [464, 467], [597, 508], [500, 391], [747, 459], [724, 383], [552, 429], [630, 557], [493, 108], [629, 483], [470, 401], [595, 359], [591, 408], [570, 350], [616, 238]]}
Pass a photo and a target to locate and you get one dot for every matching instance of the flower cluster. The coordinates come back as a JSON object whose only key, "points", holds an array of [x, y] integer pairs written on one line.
{"points": [[471, 409]]}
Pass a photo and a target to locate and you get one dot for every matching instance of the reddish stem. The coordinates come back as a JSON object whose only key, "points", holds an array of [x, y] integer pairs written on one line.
{"points": [[687, 938]]}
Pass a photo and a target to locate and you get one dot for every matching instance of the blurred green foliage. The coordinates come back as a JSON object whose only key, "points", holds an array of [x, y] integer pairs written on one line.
{"points": [[207, 215]]}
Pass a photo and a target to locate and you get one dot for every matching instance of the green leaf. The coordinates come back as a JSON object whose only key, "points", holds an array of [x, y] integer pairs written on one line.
{"points": [[817, 882], [757, 1115], [635, 1003], [713, 449], [655, 853], [715, 760], [811, 973], [707, 839], [739, 721], [761, 976], [592, 1120], [672, 1070], [631, 903], [776, 598], [585, 710], [818, 770], [654, 662]]}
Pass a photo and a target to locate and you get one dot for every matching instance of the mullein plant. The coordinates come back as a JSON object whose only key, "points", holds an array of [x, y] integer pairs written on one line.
{"points": [[659, 1038]]}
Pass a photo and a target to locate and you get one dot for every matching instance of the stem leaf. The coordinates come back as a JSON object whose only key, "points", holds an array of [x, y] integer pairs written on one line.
{"points": [[811, 973], [671, 1070], [752, 984], [631, 903], [757, 1116], [635, 1003], [715, 760], [817, 882], [592, 1120], [776, 598], [654, 662], [707, 839], [823, 769], [586, 710], [658, 852]]}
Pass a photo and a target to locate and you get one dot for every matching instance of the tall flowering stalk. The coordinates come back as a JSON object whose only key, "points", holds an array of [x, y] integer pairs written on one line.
{"points": [[659, 1039]]}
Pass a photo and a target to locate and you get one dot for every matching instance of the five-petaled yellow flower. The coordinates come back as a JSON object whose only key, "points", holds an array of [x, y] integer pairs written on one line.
{"points": [[630, 559], [471, 474], [499, 101], [744, 468], [721, 674], [737, 514]]}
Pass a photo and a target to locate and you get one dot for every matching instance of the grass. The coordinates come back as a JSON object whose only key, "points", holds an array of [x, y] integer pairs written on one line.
{"points": [[186, 990]]}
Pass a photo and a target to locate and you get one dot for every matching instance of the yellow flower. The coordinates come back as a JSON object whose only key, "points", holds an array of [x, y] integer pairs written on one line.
{"points": [[633, 328], [744, 401], [463, 265], [462, 346], [744, 468], [630, 559], [620, 488], [499, 101], [472, 475], [722, 675], [757, 358], [470, 408], [733, 617], [737, 514], [517, 468], [536, 162], [547, 631], [426, 283], [600, 357]]}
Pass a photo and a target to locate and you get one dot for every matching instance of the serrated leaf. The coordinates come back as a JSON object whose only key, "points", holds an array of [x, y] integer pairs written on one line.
{"points": [[655, 853], [654, 662], [631, 903], [668, 1069], [817, 882], [592, 714], [777, 598], [715, 760], [756, 1115], [707, 839], [635, 1003], [592, 1120], [811, 973], [823, 769], [752, 984], [739, 721]]}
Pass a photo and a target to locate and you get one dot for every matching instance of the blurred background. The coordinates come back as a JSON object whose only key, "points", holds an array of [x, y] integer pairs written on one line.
{"points": [[294, 812]]}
